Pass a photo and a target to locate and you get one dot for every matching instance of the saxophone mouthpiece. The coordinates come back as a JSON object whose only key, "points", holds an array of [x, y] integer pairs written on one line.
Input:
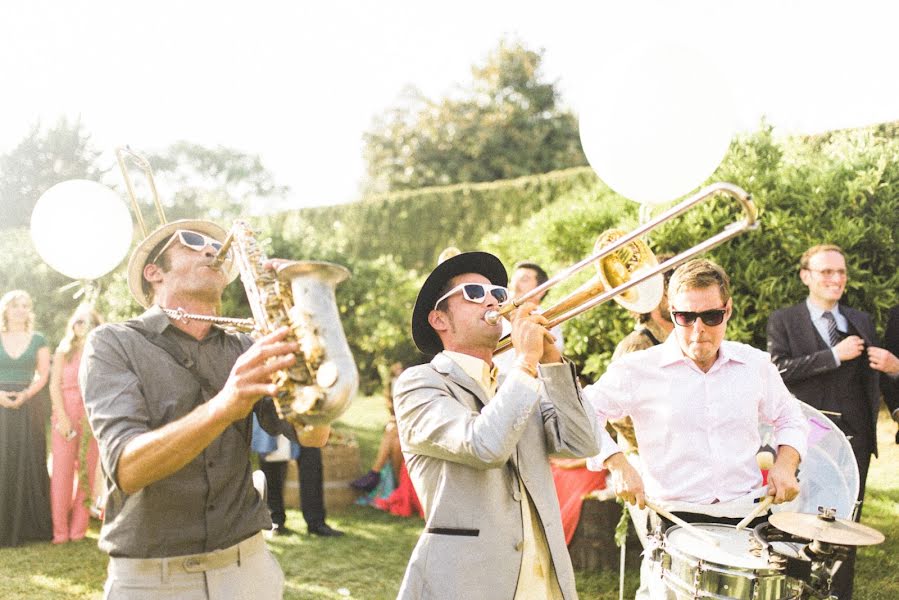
{"points": [[223, 252]]}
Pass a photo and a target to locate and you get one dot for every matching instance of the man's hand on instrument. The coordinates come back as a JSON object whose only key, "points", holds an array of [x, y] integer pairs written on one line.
{"points": [[626, 481], [251, 376], [529, 336], [782, 482], [532, 335]]}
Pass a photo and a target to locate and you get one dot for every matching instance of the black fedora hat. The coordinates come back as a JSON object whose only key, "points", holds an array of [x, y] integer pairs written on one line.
{"points": [[482, 263]]}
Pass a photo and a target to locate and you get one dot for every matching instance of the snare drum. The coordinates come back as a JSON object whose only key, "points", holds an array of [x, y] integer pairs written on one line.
{"points": [[736, 568]]}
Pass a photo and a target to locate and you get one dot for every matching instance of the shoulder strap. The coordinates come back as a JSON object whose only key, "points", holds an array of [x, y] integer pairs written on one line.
{"points": [[652, 338], [173, 350]]}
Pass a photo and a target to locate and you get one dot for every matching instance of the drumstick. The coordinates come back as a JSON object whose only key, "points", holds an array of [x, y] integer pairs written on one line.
{"points": [[762, 507], [678, 521]]}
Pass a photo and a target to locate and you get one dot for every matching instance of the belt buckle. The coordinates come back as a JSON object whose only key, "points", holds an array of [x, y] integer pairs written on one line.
{"points": [[194, 564]]}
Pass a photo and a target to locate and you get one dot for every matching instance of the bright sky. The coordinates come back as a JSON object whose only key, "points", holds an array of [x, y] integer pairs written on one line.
{"points": [[299, 82]]}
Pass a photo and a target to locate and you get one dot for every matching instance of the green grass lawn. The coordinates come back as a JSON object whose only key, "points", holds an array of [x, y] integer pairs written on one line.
{"points": [[368, 563]]}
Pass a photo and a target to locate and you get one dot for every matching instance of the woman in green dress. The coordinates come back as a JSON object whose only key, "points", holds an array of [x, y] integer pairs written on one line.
{"points": [[24, 370]]}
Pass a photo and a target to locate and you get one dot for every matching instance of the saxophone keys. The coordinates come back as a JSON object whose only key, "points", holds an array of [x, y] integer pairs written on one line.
{"points": [[327, 374]]}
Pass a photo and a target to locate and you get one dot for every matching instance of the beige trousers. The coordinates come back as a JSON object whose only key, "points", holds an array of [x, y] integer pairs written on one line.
{"points": [[245, 571]]}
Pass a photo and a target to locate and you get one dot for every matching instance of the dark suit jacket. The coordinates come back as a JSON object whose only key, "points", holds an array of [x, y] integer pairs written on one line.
{"points": [[888, 385], [809, 368]]}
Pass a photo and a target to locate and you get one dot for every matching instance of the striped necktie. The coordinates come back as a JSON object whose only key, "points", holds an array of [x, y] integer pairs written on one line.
{"points": [[831, 327]]}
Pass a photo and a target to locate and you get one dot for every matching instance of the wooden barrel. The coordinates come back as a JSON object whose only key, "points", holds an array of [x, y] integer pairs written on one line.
{"points": [[341, 464]]}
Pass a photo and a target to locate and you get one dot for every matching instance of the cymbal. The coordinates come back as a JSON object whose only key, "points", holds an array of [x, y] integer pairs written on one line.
{"points": [[837, 531]]}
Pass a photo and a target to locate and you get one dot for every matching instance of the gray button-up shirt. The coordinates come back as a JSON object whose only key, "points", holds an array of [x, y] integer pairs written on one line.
{"points": [[132, 386]]}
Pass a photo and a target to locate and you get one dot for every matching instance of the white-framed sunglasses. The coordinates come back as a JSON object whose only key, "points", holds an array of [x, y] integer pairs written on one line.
{"points": [[477, 293], [191, 239]]}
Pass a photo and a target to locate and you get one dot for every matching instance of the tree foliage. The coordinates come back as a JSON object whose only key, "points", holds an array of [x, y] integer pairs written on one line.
{"points": [[506, 124], [219, 183], [45, 157]]}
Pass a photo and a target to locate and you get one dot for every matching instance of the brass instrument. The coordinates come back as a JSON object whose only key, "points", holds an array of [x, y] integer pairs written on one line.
{"points": [[628, 272], [299, 294]]}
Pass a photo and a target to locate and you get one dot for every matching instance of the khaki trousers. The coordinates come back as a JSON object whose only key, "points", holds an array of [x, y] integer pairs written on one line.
{"points": [[245, 571]]}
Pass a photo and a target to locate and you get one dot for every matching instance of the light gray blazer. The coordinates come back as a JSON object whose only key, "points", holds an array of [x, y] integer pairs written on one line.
{"points": [[462, 455]]}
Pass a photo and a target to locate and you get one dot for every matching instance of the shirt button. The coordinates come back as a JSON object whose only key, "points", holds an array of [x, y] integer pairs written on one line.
{"points": [[210, 464], [519, 546], [211, 507]]}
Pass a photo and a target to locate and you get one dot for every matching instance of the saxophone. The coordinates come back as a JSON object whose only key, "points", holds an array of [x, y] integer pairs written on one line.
{"points": [[299, 294]]}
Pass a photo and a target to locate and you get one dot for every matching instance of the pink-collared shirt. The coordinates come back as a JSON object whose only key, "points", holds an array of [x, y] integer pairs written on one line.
{"points": [[698, 433]]}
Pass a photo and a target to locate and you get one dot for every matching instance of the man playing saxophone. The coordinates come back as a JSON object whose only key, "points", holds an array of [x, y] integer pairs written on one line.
{"points": [[170, 400]]}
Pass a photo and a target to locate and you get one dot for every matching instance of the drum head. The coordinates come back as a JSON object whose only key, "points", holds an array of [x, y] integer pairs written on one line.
{"points": [[828, 474], [733, 548]]}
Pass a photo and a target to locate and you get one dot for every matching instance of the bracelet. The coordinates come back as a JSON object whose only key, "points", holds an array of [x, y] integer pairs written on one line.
{"points": [[528, 368]]}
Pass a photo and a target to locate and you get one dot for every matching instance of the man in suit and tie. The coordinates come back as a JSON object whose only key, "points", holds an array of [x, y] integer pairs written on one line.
{"points": [[819, 347], [476, 444]]}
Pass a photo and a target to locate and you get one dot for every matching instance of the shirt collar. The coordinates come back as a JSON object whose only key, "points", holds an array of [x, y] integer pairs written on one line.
{"points": [[477, 369], [155, 320], [672, 354], [816, 311]]}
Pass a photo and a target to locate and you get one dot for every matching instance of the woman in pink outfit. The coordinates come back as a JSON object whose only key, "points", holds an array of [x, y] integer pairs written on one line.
{"points": [[69, 495]]}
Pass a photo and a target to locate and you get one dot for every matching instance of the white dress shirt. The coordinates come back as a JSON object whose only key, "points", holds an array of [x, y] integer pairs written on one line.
{"points": [[698, 433]]}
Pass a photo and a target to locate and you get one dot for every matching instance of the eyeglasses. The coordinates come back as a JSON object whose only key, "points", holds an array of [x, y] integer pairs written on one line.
{"points": [[191, 239], [828, 273], [685, 318], [477, 293]]}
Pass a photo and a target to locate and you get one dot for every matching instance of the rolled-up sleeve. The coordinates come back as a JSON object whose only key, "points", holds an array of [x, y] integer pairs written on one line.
{"points": [[113, 397]]}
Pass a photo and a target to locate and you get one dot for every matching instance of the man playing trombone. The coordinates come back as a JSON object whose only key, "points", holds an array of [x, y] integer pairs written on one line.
{"points": [[696, 401], [476, 445], [170, 399]]}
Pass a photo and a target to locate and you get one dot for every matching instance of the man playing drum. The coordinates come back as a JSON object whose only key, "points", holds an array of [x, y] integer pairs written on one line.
{"points": [[696, 402]]}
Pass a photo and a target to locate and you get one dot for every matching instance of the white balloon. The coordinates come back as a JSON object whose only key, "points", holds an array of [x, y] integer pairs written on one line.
{"points": [[81, 228], [657, 123]]}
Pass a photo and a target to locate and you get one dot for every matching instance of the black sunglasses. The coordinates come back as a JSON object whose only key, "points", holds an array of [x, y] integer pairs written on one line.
{"points": [[712, 317]]}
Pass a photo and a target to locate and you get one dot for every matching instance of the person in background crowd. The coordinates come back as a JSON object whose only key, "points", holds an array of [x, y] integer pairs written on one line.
{"points": [[477, 442], [818, 346], [389, 452], [274, 453], [170, 397], [24, 371], [70, 508]]}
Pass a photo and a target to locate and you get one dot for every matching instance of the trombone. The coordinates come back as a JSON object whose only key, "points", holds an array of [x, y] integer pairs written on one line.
{"points": [[625, 258]]}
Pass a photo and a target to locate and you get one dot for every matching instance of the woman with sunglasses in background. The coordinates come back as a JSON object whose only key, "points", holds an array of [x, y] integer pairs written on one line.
{"points": [[24, 370], [70, 433]]}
